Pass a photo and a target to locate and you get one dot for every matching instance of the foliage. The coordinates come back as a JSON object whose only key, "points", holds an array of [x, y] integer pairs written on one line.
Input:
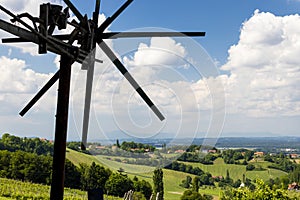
{"points": [[158, 183], [294, 175], [233, 156], [139, 196], [73, 175], [237, 183], [195, 186], [186, 182], [25, 166], [196, 157], [281, 162], [193, 195], [185, 168], [35, 168], [143, 187], [136, 147], [118, 184], [250, 167], [32, 145], [94, 176], [262, 192]]}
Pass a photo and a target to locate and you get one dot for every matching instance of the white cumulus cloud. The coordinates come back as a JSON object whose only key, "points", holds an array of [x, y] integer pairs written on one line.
{"points": [[265, 67]]}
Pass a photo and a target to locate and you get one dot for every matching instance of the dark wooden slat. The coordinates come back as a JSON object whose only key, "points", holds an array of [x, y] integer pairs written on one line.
{"points": [[114, 35], [109, 20], [74, 10], [42, 91], [130, 79], [18, 31]]}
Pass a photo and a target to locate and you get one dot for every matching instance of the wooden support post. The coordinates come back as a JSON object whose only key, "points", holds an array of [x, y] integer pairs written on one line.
{"points": [[88, 97], [61, 126]]}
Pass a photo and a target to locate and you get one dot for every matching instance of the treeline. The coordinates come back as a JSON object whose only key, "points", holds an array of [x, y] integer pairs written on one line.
{"points": [[24, 166], [118, 153], [237, 156], [208, 159], [116, 184], [32, 145], [205, 177], [136, 147], [280, 162], [36, 166]]}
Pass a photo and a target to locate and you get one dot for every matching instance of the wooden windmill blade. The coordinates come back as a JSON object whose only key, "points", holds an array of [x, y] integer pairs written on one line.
{"points": [[89, 82], [99, 36], [74, 10], [90, 68], [117, 35]]}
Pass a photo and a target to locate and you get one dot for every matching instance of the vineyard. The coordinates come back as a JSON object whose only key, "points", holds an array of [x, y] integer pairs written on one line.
{"points": [[12, 189]]}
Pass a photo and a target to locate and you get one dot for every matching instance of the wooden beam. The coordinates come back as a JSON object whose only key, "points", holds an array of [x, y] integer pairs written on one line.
{"points": [[61, 127]]}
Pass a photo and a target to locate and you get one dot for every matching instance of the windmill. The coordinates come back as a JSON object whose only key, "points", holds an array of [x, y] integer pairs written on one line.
{"points": [[88, 33]]}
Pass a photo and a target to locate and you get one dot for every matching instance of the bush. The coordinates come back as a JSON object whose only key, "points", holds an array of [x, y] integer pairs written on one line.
{"points": [[250, 167], [118, 184], [193, 195], [262, 192]]}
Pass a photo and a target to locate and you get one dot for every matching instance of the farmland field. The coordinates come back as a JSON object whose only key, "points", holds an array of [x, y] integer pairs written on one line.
{"points": [[219, 168]]}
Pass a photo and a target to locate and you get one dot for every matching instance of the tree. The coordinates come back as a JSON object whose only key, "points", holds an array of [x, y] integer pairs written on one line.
{"points": [[158, 183], [118, 184], [196, 184], [295, 174], [143, 187], [250, 167], [237, 183], [73, 176], [227, 174], [187, 182], [94, 177], [192, 195], [118, 143]]}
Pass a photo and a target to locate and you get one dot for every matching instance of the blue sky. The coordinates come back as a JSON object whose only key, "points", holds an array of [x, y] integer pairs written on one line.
{"points": [[235, 30]]}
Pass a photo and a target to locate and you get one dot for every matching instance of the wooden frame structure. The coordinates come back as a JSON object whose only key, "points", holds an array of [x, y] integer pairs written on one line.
{"points": [[88, 33]]}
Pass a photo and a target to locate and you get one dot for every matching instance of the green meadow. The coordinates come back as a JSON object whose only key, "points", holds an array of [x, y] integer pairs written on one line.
{"points": [[172, 179]]}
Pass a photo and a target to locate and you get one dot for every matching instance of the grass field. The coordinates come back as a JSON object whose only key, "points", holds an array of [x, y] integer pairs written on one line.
{"points": [[172, 179], [219, 168]]}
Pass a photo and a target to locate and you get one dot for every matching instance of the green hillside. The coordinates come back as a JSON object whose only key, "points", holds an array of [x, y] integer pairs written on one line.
{"points": [[172, 179], [219, 168]]}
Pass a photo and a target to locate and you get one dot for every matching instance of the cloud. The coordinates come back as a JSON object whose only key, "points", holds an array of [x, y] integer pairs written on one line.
{"points": [[18, 84], [157, 67], [265, 68], [21, 6], [162, 51]]}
